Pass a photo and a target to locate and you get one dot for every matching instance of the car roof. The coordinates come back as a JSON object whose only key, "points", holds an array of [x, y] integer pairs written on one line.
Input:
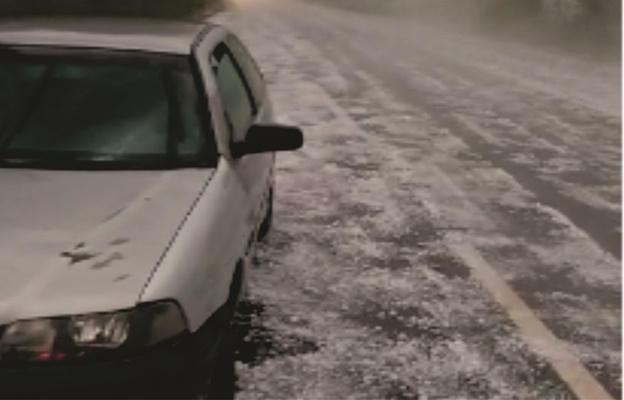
{"points": [[162, 36]]}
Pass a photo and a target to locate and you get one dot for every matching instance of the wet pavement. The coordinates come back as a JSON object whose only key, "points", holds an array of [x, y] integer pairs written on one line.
{"points": [[420, 138]]}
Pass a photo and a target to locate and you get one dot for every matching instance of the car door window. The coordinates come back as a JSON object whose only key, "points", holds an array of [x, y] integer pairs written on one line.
{"points": [[238, 104], [249, 67]]}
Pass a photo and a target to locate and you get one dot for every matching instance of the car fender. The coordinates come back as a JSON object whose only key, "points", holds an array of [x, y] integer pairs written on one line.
{"points": [[198, 267]]}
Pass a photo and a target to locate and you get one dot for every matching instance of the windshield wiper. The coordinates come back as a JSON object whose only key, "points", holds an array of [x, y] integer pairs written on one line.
{"points": [[67, 161]]}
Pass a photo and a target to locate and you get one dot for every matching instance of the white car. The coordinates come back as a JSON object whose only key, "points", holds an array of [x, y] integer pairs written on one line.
{"points": [[136, 175]]}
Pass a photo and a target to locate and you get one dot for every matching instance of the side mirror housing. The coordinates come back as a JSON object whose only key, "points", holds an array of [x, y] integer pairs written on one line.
{"points": [[265, 138]]}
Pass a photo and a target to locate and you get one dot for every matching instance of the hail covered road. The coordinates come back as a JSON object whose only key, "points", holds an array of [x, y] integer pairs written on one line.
{"points": [[451, 228]]}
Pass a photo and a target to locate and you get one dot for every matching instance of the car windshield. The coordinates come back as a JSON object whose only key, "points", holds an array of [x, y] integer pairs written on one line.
{"points": [[84, 109]]}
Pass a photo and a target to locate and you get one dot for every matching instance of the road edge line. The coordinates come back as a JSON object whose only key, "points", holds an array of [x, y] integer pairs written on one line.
{"points": [[535, 333]]}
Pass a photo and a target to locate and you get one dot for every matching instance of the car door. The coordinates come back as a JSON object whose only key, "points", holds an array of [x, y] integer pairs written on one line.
{"points": [[242, 105], [199, 265], [264, 112]]}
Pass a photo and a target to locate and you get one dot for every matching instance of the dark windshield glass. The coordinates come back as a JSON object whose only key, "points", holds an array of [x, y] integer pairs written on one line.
{"points": [[92, 109]]}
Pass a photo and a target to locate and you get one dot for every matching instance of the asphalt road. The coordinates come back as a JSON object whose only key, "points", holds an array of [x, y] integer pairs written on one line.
{"points": [[452, 227]]}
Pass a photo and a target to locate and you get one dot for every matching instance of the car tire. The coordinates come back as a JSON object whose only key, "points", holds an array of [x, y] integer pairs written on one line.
{"points": [[267, 222], [217, 380], [223, 380]]}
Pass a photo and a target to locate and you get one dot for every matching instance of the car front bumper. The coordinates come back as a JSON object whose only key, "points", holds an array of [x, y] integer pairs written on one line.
{"points": [[163, 371]]}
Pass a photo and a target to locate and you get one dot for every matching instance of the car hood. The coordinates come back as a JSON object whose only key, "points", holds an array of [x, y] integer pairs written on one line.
{"points": [[79, 242]]}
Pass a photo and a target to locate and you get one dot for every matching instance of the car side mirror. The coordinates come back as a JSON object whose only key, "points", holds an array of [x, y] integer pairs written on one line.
{"points": [[268, 138]]}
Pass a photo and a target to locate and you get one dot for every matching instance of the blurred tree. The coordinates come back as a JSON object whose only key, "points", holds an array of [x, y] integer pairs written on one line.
{"points": [[130, 8]]}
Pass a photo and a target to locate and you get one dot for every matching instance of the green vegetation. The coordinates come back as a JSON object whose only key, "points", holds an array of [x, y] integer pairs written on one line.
{"points": [[593, 25], [562, 12], [126, 8], [590, 24]]}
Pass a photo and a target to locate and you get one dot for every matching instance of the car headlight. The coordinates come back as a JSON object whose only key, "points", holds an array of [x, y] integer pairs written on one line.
{"points": [[82, 336], [100, 330]]}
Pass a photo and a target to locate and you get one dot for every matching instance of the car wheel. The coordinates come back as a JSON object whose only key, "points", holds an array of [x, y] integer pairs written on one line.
{"points": [[267, 222], [217, 380]]}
